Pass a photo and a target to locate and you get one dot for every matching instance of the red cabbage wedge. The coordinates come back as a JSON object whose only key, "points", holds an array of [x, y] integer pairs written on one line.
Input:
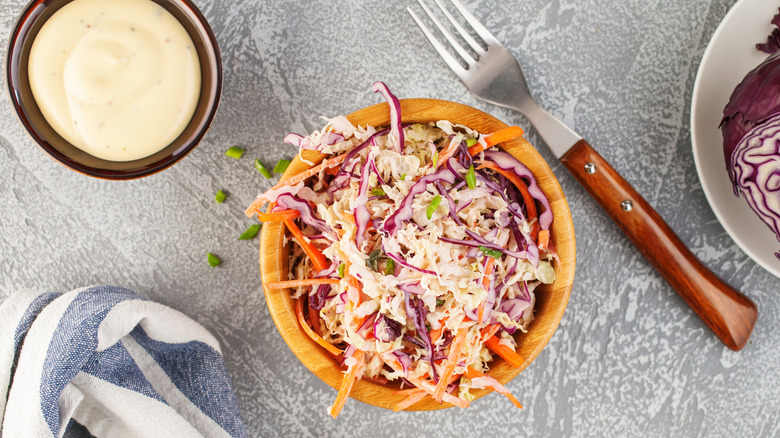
{"points": [[751, 135]]}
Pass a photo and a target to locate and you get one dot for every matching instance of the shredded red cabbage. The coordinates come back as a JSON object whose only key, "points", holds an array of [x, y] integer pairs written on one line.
{"points": [[394, 222], [289, 202], [396, 129]]}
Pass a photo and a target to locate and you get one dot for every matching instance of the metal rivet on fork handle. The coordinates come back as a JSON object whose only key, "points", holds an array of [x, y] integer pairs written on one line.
{"points": [[590, 168], [627, 205]]}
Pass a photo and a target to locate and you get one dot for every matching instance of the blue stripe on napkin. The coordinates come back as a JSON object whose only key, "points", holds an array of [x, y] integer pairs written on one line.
{"points": [[73, 343], [214, 395], [89, 354]]}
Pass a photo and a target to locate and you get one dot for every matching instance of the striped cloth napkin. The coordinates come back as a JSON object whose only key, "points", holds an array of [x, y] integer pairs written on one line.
{"points": [[112, 361]]}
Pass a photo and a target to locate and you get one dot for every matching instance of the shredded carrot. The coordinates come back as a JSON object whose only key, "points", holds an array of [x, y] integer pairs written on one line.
{"points": [[314, 336], [355, 292], [318, 260], [406, 391], [278, 215], [314, 318], [497, 137], [299, 283], [353, 373], [544, 239], [355, 298], [412, 398], [327, 164], [447, 153], [530, 205], [456, 348], [489, 267], [488, 332], [435, 334], [428, 386], [358, 322], [333, 170], [494, 384], [502, 350], [348, 218], [477, 148]]}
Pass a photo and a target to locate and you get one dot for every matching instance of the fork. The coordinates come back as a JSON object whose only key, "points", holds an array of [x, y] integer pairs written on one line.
{"points": [[495, 76]]}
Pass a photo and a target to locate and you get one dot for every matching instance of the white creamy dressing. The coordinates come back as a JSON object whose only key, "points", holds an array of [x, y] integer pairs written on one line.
{"points": [[119, 79]]}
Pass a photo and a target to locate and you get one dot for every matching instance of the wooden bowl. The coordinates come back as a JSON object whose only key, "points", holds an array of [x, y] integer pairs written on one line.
{"points": [[551, 300]]}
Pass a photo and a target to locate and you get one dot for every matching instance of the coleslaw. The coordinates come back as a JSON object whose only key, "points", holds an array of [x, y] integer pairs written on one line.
{"points": [[419, 247]]}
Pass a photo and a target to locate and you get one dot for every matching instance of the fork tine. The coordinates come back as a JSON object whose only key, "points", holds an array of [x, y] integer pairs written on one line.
{"points": [[463, 32], [453, 42], [452, 63], [476, 25]]}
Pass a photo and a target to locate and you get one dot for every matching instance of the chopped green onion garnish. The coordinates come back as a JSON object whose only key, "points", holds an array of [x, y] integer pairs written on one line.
{"points": [[435, 159], [377, 191], [342, 268], [281, 166], [234, 152], [390, 267], [433, 206], [439, 302], [260, 168], [214, 261], [250, 232], [471, 142], [496, 254], [220, 197], [403, 177], [471, 177]]}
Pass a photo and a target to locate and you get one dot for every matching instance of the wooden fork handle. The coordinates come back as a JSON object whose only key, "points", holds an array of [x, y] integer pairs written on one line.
{"points": [[727, 312]]}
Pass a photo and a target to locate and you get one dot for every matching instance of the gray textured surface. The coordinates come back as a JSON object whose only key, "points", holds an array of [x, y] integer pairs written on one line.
{"points": [[628, 359]]}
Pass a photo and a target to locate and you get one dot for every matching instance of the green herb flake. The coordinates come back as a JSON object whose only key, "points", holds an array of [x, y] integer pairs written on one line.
{"points": [[281, 166], [471, 177], [377, 191], [471, 142], [496, 254], [260, 168], [439, 302], [342, 268], [435, 159], [214, 261], [403, 177], [234, 152], [390, 267], [433, 206], [250, 232], [220, 196], [373, 258]]}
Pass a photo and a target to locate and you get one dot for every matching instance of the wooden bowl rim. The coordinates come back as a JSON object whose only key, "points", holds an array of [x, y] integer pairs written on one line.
{"points": [[273, 261]]}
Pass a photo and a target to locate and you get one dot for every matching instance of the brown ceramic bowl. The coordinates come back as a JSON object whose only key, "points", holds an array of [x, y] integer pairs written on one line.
{"points": [[30, 22], [551, 299]]}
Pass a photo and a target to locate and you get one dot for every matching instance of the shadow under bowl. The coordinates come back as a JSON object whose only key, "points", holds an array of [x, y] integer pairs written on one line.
{"points": [[551, 300], [21, 40]]}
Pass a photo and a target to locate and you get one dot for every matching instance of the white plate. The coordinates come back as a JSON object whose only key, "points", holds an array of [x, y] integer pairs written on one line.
{"points": [[730, 55]]}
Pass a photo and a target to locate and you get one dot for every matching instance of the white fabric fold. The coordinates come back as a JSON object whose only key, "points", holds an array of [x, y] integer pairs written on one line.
{"points": [[113, 361]]}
